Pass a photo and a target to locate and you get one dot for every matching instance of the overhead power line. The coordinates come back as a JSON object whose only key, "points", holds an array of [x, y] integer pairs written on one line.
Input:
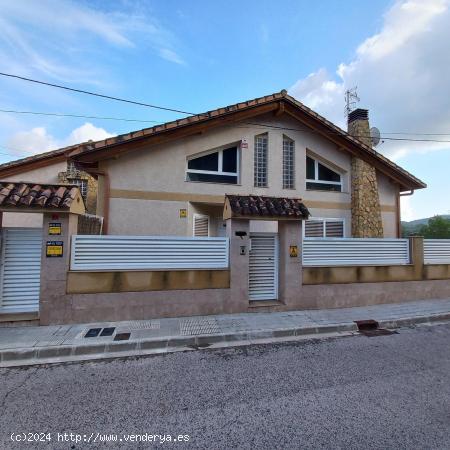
{"points": [[95, 94], [259, 124], [38, 113], [185, 112]]}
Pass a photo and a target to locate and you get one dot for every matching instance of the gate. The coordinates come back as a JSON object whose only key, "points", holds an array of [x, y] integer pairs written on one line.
{"points": [[263, 267], [20, 269]]}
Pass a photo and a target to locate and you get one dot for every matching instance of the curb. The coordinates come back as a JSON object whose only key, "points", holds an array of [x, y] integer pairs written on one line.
{"points": [[410, 321], [88, 352]]}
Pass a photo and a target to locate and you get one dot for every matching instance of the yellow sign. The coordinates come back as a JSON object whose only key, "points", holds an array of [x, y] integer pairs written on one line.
{"points": [[54, 248], [293, 251], [183, 213], [54, 228]]}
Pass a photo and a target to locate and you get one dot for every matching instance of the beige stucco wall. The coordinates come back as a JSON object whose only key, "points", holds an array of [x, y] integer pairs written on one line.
{"points": [[388, 192], [158, 176], [47, 174], [147, 217]]}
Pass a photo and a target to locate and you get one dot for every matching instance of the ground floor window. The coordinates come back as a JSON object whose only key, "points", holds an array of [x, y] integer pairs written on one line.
{"points": [[323, 228], [201, 225]]}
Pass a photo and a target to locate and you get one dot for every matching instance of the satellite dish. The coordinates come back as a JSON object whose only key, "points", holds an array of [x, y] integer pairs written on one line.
{"points": [[375, 136]]}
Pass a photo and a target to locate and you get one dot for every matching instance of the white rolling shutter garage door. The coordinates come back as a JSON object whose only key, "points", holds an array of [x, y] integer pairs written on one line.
{"points": [[21, 269]]}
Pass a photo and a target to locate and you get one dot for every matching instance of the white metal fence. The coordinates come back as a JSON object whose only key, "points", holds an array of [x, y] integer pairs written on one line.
{"points": [[355, 252], [436, 251], [148, 252]]}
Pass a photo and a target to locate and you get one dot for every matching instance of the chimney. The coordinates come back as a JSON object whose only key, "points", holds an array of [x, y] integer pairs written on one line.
{"points": [[366, 211]]}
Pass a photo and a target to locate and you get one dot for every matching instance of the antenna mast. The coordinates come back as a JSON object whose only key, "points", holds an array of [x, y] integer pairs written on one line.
{"points": [[351, 98]]}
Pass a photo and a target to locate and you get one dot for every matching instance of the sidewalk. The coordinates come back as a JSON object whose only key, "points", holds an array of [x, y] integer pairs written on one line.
{"points": [[21, 346]]}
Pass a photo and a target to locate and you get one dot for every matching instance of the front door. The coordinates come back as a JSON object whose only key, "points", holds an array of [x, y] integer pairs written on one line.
{"points": [[263, 267]]}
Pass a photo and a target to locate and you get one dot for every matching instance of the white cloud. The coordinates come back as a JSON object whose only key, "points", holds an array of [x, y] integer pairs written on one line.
{"points": [[402, 75], [171, 56], [60, 38], [38, 140]]}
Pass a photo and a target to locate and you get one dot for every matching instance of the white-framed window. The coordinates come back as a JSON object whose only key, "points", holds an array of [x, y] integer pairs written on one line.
{"points": [[200, 226], [82, 185], [261, 160], [288, 163], [321, 177], [219, 166], [317, 227]]}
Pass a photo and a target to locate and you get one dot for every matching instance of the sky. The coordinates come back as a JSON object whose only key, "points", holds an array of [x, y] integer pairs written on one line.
{"points": [[200, 55]]}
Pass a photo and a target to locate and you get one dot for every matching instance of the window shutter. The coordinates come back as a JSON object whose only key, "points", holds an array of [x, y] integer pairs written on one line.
{"points": [[334, 229], [201, 226], [314, 228]]}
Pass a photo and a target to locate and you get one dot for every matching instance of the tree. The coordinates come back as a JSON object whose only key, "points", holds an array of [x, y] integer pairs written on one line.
{"points": [[437, 228]]}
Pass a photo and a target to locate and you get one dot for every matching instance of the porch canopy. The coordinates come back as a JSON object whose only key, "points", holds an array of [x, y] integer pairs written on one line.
{"points": [[255, 207], [39, 198]]}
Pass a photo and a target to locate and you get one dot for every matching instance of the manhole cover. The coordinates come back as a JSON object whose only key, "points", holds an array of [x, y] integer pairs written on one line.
{"points": [[189, 327]]}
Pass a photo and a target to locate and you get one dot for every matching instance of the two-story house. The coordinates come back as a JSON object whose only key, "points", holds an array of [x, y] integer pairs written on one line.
{"points": [[171, 179]]}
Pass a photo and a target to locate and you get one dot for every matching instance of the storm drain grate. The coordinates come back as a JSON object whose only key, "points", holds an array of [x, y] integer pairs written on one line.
{"points": [[190, 327], [370, 328]]}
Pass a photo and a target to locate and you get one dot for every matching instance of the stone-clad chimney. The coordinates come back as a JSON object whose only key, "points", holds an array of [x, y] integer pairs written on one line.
{"points": [[366, 211]]}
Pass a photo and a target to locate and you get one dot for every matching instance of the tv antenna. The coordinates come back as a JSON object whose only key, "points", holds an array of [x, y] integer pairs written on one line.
{"points": [[351, 98]]}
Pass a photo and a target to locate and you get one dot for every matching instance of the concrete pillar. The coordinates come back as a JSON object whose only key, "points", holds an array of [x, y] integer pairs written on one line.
{"points": [[54, 305], [239, 262], [417, 256], [290, 266]]}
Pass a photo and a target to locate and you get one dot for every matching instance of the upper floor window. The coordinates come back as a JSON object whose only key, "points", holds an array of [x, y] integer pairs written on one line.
{"points": [[82, 185], [320, 177], [288, 163], [261, 160], [221, 166]]}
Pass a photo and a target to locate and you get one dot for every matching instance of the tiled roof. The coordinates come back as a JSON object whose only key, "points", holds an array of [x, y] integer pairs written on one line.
{"points": [[257, 206], [29, 195], [51, 155], [81, 149], [227, 111]]}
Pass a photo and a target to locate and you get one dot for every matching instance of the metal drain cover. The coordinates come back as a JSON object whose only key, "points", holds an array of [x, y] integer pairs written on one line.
{"points": [[190, 327], [122, 336], [107, 331], [93, 332]]}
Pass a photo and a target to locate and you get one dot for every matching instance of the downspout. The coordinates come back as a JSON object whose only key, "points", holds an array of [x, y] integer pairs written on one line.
{"points": [[399, 221]]}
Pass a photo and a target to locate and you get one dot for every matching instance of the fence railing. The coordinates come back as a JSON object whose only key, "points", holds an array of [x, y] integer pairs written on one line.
{"points": [[111, 252], [355, 252], [436, 251]]}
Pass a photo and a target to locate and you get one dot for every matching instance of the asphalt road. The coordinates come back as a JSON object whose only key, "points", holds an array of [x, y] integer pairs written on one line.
{"points": [[356, 392]]}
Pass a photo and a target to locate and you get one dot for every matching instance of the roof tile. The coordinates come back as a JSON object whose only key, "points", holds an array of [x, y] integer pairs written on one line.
{"points": [[35, 195], [255, 205]]}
